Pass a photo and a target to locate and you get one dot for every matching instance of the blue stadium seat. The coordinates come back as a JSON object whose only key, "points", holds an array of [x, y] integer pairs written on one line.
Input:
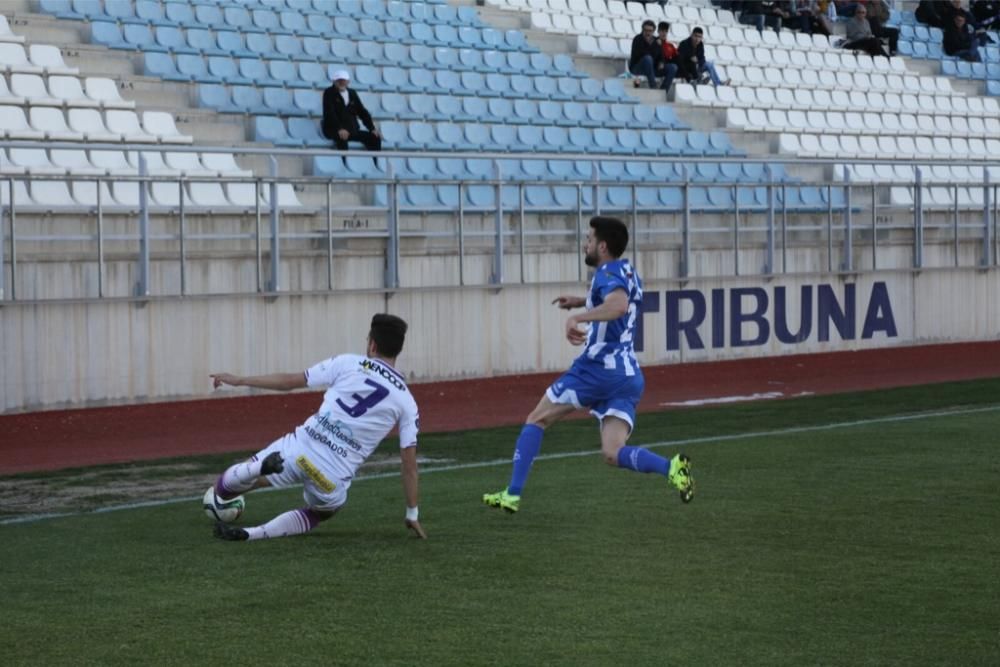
{"points": [[500, 109], [563, 65], [650, 142], [161, 65], [307, 101], [396, 31], [121, 11], [445, 81], [316, 47], [581, 139], [140, 37], [62, 9], [550, 112], [285, 72], [719, 144], [494, 61], [447, 107], [418, 135], [675, 143], [697, 142], [268, 21], [529, 138], [398, 9], [202, 41], [666, 117], [502, 137], [224, 69], [598, 115], [261, 45], [628, 140], [424, 107], [370, 29], [621, 114], [345, 26], [109, 34], [207, 15], [150, 11], [419, 196], [172, 39], [279, 101], [319, 24], [307, 131], [569, 89], [180, 13], [573, 113], [372, 53], [313, 75], [271, 129], [249, 99], [288, 46], [544, 88], [214, 96], [232, 42], [469, 37], [470, 59], [526, 111], [474, 109], [295, 23], [344, 50], [477, 134], [446, 35], [255, 70]]}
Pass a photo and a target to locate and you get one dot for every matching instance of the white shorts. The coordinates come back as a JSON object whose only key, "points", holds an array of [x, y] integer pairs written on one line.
{"points": [[323, 487]]}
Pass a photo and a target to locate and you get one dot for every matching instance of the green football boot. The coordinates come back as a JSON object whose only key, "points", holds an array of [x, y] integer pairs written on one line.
{"points": [[502, 500], [680, 476]]}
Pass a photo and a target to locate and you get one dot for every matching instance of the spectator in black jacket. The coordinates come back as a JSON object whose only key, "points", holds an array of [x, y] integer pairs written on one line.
{"points": [[987, 14], [960, 40], [647, 54], [342, 109], [691, 63]]}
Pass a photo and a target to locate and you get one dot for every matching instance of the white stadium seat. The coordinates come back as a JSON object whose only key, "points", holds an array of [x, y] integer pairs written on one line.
{"points": [[161, 124], [52, 123], [31, 87], [127, 123], [50, 59], [68, 90], [103, 90], [89, 123]]}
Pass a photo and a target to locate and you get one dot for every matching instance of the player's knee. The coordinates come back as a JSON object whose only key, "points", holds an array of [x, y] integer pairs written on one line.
{"points": [[610, 454]]}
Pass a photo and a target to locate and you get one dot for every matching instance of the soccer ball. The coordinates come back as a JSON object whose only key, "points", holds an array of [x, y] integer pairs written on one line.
{"points": [[218, 509]]}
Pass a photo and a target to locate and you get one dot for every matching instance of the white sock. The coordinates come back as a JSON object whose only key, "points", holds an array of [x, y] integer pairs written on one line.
{"points": [[238, 478], [295, 522]]}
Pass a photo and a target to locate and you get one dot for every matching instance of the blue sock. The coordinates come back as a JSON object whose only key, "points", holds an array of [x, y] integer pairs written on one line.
{"points": [[528, 444], [641, 459]]}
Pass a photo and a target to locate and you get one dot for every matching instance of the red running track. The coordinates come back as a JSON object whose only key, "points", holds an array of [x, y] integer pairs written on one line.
{"points": [[69, 438]]}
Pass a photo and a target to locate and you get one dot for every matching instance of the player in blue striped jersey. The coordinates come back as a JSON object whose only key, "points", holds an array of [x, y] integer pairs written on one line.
{"points": [[606, 377]]}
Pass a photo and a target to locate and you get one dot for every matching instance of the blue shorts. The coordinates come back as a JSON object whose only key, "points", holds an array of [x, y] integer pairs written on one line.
{"points": [[589, 385]]}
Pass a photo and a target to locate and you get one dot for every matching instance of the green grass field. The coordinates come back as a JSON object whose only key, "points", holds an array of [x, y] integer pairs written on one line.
{"points": [[819, 543]]}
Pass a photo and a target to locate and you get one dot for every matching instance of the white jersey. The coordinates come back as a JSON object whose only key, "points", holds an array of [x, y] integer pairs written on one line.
{"points": [[365, 400]]}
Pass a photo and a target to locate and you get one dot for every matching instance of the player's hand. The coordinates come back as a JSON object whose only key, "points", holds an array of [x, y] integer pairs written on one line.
{"points": [[417, 529], [574, 335], [219, 379], [343, 134], [568, 302]]}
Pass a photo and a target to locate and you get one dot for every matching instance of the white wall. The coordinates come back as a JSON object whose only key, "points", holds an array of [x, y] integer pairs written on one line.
{"points": [[88, 353]]}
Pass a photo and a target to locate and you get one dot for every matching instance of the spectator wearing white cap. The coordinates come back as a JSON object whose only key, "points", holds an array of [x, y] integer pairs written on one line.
{"points": [[342, 109]]}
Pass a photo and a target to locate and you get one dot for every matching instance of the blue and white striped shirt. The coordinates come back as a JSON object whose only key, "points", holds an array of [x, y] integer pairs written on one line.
{"points": [[610, 343]]}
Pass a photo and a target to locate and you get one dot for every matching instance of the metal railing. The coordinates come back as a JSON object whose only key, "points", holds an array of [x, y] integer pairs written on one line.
{"points": [[837, 225]]}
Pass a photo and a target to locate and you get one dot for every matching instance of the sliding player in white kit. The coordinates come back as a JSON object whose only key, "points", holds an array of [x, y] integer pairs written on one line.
{"points": [[365, 400]]}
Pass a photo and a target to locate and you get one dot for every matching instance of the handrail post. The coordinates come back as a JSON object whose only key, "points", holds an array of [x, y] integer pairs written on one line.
{"points": [[498, 278], [392, 241], [100, 242], [987, 229], [769, 257], [181, 223], [4, 206], [274, 284], [142, 285], [918, 219], [847, 263], [685, 223]]}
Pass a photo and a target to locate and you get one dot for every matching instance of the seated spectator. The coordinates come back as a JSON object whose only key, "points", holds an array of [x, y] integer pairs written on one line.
{"points": [[928, 13], [342, 108], [691, 63], [859, 35], [960, 40], [816, 16], [669, 64], [760, 14], [646, 53], [986, 14], [878, 16]]}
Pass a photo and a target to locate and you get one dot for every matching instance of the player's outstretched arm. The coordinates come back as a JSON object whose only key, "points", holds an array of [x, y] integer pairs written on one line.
{"points": [[411, 490], [275, 381], [569, 302]]}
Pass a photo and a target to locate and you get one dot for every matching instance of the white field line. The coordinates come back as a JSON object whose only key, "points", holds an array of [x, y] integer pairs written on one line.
{"points": [[686, 442]]}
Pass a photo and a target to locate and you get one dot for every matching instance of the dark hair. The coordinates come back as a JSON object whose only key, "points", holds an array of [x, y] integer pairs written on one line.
{"points": [[649, 23], [612, 231], [663, 26], [388, 333], [697, 31]]}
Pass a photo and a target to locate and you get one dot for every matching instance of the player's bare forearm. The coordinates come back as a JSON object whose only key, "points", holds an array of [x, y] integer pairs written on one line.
{"points": [[274, 381], [411, 483]]}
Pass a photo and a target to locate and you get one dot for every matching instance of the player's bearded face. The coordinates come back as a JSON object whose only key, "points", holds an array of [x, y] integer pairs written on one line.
{"points": [[590, 257]]}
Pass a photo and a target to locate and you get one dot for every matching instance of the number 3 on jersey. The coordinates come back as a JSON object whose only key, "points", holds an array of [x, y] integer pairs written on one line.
{"points": [[363, 404]]}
